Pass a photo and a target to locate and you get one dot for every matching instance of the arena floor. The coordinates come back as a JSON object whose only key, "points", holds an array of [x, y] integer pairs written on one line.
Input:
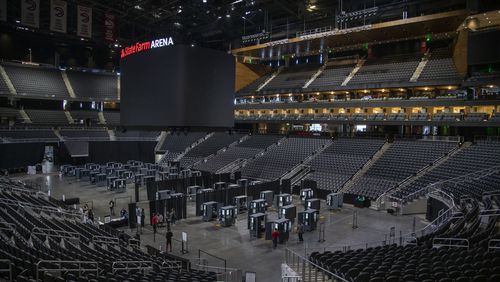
{"points": [[234, 243]]}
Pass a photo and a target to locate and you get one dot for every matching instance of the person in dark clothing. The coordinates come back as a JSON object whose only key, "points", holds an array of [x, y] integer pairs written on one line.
{"points": [[143, 217], [111, 207], [275, 236], [138, 238], [91, 215], [300, 231], [174, 216], [169, 236], [122, 238]]}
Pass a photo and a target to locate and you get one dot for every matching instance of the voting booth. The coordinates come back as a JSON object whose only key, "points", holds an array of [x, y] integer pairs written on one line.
{"points": [[227, 215], [257, 224], [284, 227], [312, 203], [309, 218], [210, 210], [306, 193], [267, 196], [288, 212], [334, 200], [281, 200]]}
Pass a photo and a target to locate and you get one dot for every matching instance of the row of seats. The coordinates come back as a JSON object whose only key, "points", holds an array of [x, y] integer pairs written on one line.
{"points": [[421, 260], [401, 160], [211, 145], [244, 150], [24, 246], [48, 82], [437, 117], [341, 160], [468, 160], [381, 71], [280, 159]]}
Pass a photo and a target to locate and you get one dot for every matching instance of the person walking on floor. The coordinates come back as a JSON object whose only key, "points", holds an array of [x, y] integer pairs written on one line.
{"points": [[169, 236], [143, 217], [111, 207], [174, 217], [154, 222], [139, 219], [275, 236], [300, 231]]}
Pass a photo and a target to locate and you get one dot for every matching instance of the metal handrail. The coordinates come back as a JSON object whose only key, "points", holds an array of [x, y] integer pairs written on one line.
{"points": [[494, 246], [60, 262], [482, 173], [39, 207], [105, 239], [214, 256], [58, 233], [171, 264], [126, 263], [308, 269], [9, 269], [448, 242]]}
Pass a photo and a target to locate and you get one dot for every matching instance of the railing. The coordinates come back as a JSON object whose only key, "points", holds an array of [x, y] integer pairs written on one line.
{"points": [[225, 274], [435, 186], [92, 266], [6, 269], [494, 245], [38, 207], [171, 264], [213, 256], [455, 139], [105, 239], [139, 265], [307, 269], [55, 233], [291, 278], [450, 242]]}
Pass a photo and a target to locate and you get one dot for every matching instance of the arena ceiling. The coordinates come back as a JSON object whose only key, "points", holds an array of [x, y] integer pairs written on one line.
{"points": [[222, 23]]}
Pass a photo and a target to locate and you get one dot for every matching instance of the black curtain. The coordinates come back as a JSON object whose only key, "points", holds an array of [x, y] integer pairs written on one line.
{"points": [[14, 155]]}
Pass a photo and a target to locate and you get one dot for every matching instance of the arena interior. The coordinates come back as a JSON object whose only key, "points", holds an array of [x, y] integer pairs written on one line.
{"points": [[250, 140]]}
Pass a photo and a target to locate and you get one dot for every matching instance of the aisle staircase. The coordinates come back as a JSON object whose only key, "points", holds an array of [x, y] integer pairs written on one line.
{"points": [[25, 117], [7, 80], [353, 72], [69, 117], [65, 78], [270, 79], [112, 135], [365, 167], [318, 73], [420, 68], [198, 142], [102, 120]]}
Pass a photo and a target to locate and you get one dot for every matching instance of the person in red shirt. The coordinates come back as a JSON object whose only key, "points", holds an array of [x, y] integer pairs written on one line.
{"points": [[154, 222], [275, 236]]}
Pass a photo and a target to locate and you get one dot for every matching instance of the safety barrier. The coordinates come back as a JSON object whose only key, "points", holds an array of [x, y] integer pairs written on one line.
{"points": [[308, 270], [92, 267], [105, 239], [494, 245], [6, 269], [139, 265], [450, 242], [55, 233]]}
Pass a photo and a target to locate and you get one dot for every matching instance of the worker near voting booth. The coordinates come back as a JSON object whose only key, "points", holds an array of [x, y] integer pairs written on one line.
{"points": [[138, 216], [275, 236], [169, 236]]}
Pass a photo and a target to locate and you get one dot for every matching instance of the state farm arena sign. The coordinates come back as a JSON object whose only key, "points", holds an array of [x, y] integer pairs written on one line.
{"points": [[144, 46]]}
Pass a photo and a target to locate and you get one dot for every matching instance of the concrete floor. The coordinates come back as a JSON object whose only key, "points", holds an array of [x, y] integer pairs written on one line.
{"points": [[234, 243]]}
